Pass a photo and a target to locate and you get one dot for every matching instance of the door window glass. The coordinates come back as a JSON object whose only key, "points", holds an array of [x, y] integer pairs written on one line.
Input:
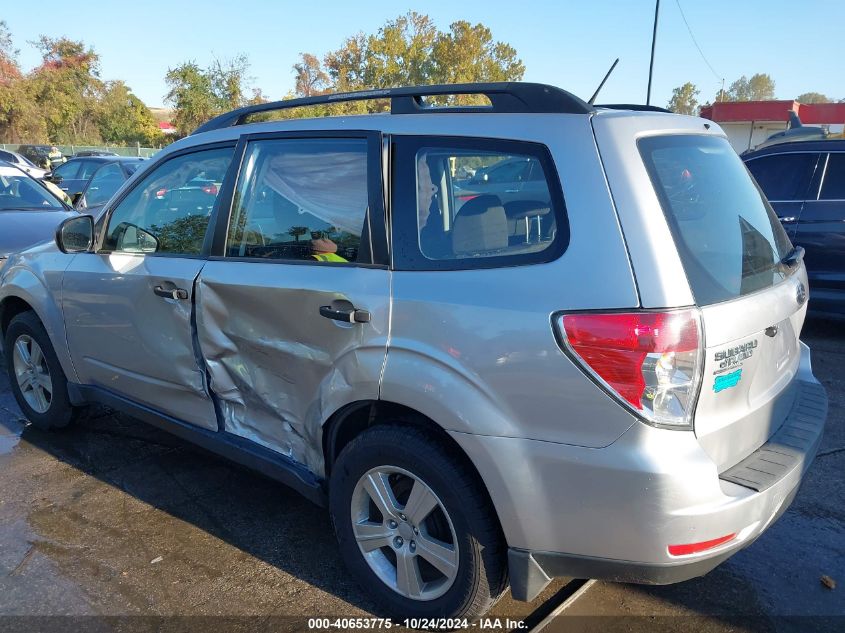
{"points": [[69, 170], [301, 199], [103, 185], [833, 187], [169, 210], [785, 177]]}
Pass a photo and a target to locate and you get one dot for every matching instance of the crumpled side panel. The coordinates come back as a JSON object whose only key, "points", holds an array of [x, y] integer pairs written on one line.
{"points": [[277, 369]]}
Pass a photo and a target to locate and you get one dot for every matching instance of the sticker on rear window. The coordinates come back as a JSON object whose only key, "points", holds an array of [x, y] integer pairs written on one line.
{"points": [[727, 381]]}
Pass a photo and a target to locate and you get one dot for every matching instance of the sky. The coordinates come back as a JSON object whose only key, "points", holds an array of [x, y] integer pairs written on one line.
{"points": [[564, 43]]}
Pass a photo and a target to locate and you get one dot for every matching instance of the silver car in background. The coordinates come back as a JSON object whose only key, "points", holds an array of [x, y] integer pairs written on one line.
{"points": [[598, 375]]}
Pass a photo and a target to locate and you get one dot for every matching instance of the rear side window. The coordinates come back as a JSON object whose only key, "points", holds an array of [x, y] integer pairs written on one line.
{"points": [[302, 199], [463, 203], [833, 187], [728, 238], [785, 177]]}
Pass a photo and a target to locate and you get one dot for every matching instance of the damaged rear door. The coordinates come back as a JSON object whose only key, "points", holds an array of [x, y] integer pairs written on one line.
{"points": [[129, 306], [293, 306]]}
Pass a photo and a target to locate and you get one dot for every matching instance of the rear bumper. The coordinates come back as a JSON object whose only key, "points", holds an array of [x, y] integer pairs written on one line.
{"points": [[611, 513]]}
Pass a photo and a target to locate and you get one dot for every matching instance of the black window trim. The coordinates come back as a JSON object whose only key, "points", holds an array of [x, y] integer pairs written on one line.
{"points": [[376, 211], [405, 229], [115, 202]]}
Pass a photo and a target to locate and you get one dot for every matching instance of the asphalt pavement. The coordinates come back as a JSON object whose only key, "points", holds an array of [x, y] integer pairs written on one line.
{"points": [[112, 525]]}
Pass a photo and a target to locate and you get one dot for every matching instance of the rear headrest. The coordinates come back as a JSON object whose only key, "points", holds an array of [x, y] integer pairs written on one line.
{"points": [[481, 225]]}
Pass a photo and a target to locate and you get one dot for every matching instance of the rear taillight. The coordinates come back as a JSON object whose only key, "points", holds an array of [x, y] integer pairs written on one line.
{"points": [[650, 361]]}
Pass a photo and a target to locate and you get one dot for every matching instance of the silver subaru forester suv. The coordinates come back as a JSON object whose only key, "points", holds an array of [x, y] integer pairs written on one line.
{"points": [[501, 343]]}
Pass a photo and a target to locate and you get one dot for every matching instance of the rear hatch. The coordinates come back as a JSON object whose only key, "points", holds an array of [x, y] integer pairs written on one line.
{"points": [[732, 248]]}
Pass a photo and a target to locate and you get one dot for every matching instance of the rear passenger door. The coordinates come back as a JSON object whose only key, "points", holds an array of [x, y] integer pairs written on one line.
{"points": [[785, 180], [821, 232], [293, 307]]}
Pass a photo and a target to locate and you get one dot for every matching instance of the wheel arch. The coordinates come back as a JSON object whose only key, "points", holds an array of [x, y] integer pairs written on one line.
{"points": [[351, 420]]}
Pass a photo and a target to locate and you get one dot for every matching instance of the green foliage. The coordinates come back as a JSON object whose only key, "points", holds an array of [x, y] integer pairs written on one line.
{"points": [[408, 50], [761, 87], [813, 97], [20, 118], [66, 86], [124, 119], [684, 100], [198, 94]]}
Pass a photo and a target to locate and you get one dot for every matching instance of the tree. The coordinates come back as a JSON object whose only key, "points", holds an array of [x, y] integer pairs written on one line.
{"points": [[813, 97], [123, 117], [296, 231], [684, 100], [198, 94], [10, 70], [761, 87], [408, 50], [65, 87], [20, 118], [311, 79]]}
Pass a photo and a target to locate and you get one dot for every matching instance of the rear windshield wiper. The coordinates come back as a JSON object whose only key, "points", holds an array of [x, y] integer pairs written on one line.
{"points": [[793, 257]]}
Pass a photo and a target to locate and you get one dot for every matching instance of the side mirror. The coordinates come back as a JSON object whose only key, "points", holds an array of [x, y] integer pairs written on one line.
{"points": [[54, 178], [76, 235]]}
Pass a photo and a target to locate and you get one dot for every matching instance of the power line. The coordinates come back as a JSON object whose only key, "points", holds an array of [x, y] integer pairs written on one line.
{"points": [[700, 52]]}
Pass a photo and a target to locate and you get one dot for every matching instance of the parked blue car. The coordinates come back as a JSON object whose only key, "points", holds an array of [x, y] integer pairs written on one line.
{"points": [[805, 184]]}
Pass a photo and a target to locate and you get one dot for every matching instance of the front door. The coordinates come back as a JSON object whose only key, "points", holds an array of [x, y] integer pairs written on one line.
{"points": [[293, 312], [129, 306]]}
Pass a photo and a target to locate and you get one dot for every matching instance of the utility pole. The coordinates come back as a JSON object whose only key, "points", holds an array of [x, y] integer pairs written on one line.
{"points": [[653, 43]]}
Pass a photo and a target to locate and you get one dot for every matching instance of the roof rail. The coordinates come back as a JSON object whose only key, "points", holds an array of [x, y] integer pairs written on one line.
{"points": [[510, 97], [638, 107]]}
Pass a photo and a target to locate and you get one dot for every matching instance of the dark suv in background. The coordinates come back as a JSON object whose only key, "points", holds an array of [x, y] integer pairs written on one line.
{"points": [[45, 156], [805, 183]]}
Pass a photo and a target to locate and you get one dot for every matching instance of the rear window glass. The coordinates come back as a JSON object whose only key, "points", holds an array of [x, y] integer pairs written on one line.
{"points": [[729, 240]]}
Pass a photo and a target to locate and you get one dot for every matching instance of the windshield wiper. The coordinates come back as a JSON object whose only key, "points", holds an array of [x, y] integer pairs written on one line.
{"points": [[793, 257]]}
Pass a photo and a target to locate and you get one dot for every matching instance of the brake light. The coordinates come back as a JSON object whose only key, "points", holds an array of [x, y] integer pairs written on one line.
{"points": [[695, 548], [210, 189], [650, 361], [467, 197], [161, 193]]}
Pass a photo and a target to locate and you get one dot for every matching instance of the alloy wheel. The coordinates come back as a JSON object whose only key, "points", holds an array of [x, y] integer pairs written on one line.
{"points": [[32, 373], [404, 533]]}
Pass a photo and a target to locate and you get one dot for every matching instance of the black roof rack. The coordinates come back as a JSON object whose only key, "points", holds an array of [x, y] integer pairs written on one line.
{"points": [[638, 107], [510, 97]]}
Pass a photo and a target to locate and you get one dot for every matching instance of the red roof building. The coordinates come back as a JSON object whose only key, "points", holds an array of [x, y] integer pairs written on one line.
{"points": [[749, 123], [166, 127]]}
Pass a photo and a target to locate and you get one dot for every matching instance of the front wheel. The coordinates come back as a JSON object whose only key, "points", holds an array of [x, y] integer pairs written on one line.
{"points": [[415, 525], [38, 382]]}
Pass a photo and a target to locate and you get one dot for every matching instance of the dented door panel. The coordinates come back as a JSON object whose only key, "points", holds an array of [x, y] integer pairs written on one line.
{"points": [[276, 367]]}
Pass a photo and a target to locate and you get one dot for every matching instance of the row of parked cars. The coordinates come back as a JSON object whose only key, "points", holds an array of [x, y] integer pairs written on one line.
{"points": [[554, 339]]}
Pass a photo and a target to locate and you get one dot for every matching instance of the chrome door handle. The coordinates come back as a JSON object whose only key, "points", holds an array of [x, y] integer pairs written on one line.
{"points": [[171, 293]]}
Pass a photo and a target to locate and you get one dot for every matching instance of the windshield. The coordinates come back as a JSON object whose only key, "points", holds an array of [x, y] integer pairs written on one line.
{"points": [[729, 240], [20, 192]]}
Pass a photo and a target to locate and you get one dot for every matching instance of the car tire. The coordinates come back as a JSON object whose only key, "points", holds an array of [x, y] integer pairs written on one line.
{"points": [[37, 379], [452, 556]]}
